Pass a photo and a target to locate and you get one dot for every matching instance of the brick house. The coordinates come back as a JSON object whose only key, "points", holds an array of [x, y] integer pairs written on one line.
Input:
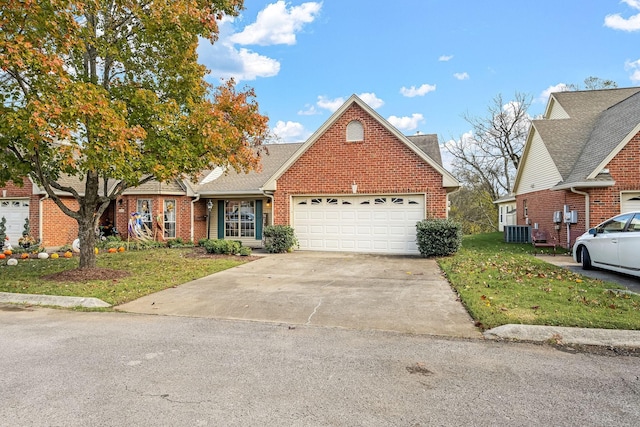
{"points": [[581, 159], [357, 184]]}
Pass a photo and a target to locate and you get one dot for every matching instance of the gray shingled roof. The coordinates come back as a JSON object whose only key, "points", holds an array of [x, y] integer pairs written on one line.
{"points": [[429, 144], [611, 127], [597, 118], [233, 182]]}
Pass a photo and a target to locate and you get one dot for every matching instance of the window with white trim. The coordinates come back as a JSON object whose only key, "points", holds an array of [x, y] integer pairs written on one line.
{"points": [[169, 219], [239, 218], [144, 209]]}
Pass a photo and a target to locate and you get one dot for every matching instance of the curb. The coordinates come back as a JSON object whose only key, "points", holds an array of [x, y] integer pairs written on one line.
{"points": [[52, 300], [565, 335]]}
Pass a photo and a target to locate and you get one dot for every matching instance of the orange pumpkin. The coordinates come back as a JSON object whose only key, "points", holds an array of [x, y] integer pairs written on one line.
{"points": [[8, 252], [121, 249], [112, 250], [2, 256], [24, 256], [68, 254]]}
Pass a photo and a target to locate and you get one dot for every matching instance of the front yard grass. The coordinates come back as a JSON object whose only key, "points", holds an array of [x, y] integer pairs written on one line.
{"points": [[501, 283], [149, 271]]}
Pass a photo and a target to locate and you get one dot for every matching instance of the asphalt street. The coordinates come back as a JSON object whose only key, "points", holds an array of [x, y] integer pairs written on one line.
{"points": [[63, 368]]}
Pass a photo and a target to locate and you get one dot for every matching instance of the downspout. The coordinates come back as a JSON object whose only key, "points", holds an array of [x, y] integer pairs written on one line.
{"points": [[269, 194], [587, 216], [40, 217], [193, 202]]}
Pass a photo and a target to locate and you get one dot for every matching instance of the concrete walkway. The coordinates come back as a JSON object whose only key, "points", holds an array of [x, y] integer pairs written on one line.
{"points": [[354, 291]]}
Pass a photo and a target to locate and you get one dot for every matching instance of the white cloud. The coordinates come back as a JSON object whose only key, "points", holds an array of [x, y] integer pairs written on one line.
{"points": [[421, 91], [333, 104], [278, 24], [310, 110], [371, 100], [617, 22], [406, 123], [225, 61], [275, 24], [544, 95], [445, 58], [634, 67], [329, 104], [290, 131], [461, 76]]}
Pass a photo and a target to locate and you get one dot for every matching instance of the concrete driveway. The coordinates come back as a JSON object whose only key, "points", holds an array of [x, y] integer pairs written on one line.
{"points": [[566, 261], [355, 291]]}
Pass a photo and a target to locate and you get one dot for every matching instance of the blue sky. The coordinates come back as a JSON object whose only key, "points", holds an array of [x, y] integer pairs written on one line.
{"points": [[420, 63]]}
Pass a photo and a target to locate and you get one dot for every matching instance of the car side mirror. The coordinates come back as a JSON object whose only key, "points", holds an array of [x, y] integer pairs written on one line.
{"points": [[593, 231]]}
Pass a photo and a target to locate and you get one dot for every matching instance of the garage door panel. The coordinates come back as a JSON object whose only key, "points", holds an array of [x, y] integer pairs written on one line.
{"points": [[383, 224], [15, 213]]}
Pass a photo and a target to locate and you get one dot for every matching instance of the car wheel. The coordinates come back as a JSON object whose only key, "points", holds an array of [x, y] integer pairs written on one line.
{"points": [[586, 259]]}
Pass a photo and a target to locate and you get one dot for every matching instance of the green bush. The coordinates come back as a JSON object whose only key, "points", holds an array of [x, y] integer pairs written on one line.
{"points": [[438, 237], [279, 238], [221, 246], [245, 251], [178, 242]]}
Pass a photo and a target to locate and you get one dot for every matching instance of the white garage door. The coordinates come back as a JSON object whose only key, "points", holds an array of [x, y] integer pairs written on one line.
{"points": [[629, 202], [382, 224], [15, 212]]}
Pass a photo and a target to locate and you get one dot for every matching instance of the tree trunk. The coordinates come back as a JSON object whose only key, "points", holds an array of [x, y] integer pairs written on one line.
{"points": [[87, 221], [87, 235]]}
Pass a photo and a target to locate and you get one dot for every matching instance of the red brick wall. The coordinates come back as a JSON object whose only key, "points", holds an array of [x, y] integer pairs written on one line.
{"points": [[381, 164], [183, 215], [58, 229], [542, 204], [625, 170], [604, 202]]}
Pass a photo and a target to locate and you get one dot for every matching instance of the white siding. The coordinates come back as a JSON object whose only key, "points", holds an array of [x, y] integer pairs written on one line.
{"points": [[539, 173], [556, 111]]}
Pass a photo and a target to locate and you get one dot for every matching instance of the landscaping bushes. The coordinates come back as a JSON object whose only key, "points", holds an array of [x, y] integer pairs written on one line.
{"points": [[438, 237], [221, 246], [279, 238]]}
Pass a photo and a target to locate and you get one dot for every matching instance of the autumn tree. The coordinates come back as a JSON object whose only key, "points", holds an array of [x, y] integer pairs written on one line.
{"points": [[110, 92]]}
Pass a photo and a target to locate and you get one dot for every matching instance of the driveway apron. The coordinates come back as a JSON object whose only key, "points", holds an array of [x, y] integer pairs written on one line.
{"points": [[354, 291]]}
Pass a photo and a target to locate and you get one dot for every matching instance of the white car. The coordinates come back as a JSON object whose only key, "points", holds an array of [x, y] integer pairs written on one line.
{"points": [[613, 245]]}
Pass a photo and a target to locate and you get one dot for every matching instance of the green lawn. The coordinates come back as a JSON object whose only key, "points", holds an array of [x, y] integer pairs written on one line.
{"points": [[149, 271], [502, 283]]}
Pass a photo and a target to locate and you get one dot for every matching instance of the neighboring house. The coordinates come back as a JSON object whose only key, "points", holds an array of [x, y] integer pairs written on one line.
{"points": [[582, 159], [506, 211], [356, 184]]}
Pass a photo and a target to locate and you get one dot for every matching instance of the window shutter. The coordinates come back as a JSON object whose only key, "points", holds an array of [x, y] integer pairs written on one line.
{"points": [[220, 219], [258, 219]]}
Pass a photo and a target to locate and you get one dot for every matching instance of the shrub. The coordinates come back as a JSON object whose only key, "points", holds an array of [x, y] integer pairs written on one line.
{"points": [[221, 246], [279, 238], [245, 251], [178, 242], [438, 237]]}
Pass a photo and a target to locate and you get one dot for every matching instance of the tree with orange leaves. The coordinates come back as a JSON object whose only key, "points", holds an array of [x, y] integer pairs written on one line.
{"points": [[111, 92]]}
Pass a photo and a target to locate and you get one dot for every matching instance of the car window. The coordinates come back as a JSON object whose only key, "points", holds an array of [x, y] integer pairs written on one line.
{"points": [[634, 224], [614, 225]]}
